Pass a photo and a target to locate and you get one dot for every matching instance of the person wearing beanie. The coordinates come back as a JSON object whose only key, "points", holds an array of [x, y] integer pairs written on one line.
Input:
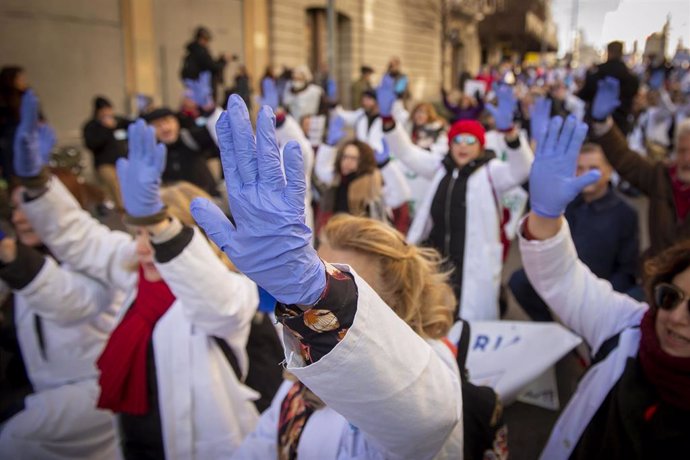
{"points": [[461, 215], [187, 150], [198, 59], [105, 134], [634, 401]]}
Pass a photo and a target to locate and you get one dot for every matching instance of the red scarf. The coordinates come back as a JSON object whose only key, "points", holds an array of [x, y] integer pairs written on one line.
{"points": [[681, 194], [670, 375], [123, 361]]}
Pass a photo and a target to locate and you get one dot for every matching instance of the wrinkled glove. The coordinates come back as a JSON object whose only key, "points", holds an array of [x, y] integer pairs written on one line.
{"points": [[140, 173], [336, 130], [606, 100], [552, 181], [382, 156], [504, 111], [539, 118], [201, 89], [270, 93], [29, 156], [332, 89], [385, 95], [269, 242]]}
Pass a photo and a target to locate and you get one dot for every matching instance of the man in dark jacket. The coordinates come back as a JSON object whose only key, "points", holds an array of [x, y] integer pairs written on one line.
{"points": [[629, 84], [106, 136], [605, 233], [198, 59], [186, 158]]}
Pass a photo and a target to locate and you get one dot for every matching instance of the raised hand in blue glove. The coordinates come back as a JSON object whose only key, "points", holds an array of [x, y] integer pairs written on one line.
{"points": [[46, 140], [383, 155], [657, 79], [504, 111], [539, 118], [201, 89], [332, 89], [401, 85], [140, 173], [606, 100], [29, 158], [552, 181], [270, 93], [336, 130], [385, 95], [269, 242]]}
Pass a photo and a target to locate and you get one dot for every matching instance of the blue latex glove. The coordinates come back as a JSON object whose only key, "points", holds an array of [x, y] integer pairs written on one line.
{"points": [[201, 89], [552, 181], [332, 89], [267, 304], [270, 242], [383, 155], [336, 131], [270, 93], [539, 118], [401, 85], [385, 95], [606, 99], [140, 173], [504, 112], [2, 235], [657, 79], [29, 158], [46, 140]]}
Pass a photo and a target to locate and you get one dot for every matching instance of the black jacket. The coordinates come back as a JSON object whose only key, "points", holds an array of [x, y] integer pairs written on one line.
{"points": [[197, 60], [629, 85], [186, 161], [102, 142]]}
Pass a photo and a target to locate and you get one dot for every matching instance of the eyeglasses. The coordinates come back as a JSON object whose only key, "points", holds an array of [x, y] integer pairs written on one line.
{"points": [[668, 297], [466, 139]]}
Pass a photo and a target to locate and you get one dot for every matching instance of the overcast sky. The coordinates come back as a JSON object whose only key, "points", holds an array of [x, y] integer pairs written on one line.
{"points": [[626, 20]]}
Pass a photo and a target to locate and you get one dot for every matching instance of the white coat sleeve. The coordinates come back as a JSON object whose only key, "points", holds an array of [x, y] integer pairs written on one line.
{"points": [[215, 299], [423, 162], [396, 190], [586, 304], [291, 131], [77, 239], [63, 296], [349, 116], [387, 381], [324, 167], [515, 170], [400, 113]]}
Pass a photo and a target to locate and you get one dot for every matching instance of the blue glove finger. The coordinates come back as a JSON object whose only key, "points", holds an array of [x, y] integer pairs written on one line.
{"points": [[492, 109], [150, 147], [205, 78], [332, 89], [227, 153], [576, 141], [28, 112], [268, 153], [214, 223], [548, 148], [47, 140], [566, 134], [243, 140], [296, 186], [580, 182]]}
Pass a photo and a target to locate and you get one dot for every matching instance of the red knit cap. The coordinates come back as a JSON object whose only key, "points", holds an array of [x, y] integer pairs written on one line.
{"points": [[472, 127]]}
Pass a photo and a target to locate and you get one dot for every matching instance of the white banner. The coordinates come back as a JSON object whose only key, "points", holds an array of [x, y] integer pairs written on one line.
{"points": [[509, 355]]}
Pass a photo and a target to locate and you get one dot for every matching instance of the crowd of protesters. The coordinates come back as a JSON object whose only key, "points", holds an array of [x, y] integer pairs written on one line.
{"points": [[284, 279]]}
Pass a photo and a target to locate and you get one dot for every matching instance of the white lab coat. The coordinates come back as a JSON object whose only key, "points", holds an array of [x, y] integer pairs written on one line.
{"points": [[591, 308], [304, 103], [205, 411], [409, 408], [483, 257], [60, 420]]}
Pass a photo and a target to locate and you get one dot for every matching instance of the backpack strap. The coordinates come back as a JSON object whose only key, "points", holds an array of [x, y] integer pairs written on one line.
{"points": [[607, 347], [230, 356], [463, 348]]}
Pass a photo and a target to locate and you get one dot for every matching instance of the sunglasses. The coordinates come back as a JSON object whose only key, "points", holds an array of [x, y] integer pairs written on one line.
{"points": [[668, 297], [466, 139]]}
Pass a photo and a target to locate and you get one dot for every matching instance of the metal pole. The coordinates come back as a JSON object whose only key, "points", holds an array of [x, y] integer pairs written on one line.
{"points": [[573, 25], [331, 38]]}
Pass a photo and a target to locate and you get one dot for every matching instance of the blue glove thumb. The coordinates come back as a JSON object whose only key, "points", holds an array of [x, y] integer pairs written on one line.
{"points": [[587, 179], [492, 109], [213, 222]]}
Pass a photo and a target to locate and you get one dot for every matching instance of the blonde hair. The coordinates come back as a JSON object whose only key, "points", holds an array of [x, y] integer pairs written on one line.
{"points": [[413, 284], [178, 197], [430, 111]]}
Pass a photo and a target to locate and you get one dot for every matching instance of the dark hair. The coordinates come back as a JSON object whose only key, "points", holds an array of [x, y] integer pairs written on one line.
{"points": [[367, 161], [665, 266], [202, 32], [614, 50], [10, 96], [366, 69], [100, 102]]}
